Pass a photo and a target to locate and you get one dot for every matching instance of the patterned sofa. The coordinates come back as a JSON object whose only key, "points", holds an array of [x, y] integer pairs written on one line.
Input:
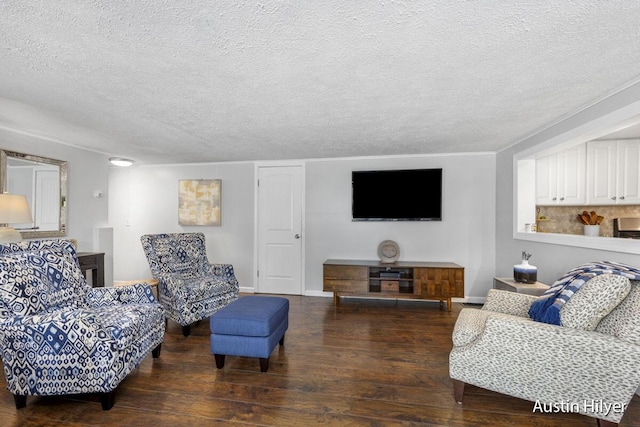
{"points": [[589, 365], [190, 288], [59, 336]]}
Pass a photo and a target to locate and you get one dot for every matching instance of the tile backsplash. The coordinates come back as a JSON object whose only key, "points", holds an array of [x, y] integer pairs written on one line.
{"points": [[563, 219]]}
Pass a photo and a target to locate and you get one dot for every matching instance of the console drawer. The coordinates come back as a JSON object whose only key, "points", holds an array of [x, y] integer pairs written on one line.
{"points": [[345, 272], [389, 286], [345, 286]]}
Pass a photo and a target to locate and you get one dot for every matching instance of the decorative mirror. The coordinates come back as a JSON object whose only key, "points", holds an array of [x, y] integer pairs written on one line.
{"points": [[44, 182]]}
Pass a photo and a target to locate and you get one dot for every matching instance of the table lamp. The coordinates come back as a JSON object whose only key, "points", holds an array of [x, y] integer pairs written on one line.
{"points": [[14, 209]]}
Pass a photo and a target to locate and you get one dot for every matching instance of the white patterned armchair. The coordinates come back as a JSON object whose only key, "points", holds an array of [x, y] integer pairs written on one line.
{"points": [[189, 287], [590, 365], [59, 336]]}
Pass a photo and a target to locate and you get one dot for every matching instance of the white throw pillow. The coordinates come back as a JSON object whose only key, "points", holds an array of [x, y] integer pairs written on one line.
{"points": [[594, 300], [623, 322]]}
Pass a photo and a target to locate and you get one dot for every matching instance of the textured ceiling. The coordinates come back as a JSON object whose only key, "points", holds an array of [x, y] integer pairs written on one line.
{"points": [[194, 81]]}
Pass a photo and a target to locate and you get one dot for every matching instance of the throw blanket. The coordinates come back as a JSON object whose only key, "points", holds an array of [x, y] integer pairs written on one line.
{"points": [[547, 308]]}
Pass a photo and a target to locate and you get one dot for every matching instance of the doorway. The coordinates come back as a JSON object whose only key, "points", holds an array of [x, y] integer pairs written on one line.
{"points": [[280, 224]]}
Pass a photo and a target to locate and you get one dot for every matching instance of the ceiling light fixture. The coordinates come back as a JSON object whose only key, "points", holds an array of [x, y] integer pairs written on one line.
{"points": [[119, 161]]}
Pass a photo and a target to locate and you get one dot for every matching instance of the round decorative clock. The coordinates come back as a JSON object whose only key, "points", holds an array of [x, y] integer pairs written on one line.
{"points": [[388, 251]]}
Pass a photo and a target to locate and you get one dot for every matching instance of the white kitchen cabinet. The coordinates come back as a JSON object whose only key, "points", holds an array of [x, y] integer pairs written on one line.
{"points": [[560, 177], [629, 172], [613, 171]]}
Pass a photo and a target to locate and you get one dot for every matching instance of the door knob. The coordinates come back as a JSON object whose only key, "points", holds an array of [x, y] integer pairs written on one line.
{"points": [[297, 236]]}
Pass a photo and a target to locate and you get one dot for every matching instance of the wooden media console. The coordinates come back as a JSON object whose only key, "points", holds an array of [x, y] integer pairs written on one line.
{"points": [[415, 280]]}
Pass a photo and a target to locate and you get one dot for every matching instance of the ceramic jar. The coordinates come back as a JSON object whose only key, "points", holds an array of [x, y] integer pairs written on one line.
{"points": [[591, 230], [525, 272]]}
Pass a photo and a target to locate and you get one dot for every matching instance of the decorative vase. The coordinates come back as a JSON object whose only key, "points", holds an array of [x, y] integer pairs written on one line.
{"points": [[525, 272], [591, 230]]}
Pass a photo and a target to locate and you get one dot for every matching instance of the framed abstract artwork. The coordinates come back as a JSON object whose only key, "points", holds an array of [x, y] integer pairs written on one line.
{"points": [[200, 202]]}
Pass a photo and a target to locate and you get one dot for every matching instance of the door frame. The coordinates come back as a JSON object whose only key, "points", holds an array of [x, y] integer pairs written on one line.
{"points": [[256, 213]]}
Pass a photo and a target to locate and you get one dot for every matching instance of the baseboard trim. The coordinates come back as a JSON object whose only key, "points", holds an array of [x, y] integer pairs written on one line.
{"points": [[318, 294], [314, 293], [470, 300]]}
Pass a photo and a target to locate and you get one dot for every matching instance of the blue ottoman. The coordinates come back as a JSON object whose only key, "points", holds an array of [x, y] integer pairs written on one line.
{"points": [[250, 326]]}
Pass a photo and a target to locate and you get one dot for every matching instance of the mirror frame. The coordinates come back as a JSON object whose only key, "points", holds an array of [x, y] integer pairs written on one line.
{"points": [[62, 226]]}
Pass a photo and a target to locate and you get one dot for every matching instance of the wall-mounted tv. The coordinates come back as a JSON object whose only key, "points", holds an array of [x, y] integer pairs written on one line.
{"points": [[397, 195]]}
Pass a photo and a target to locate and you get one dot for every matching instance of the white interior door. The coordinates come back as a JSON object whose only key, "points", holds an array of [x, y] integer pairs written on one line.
{"points": [[280, 230], [47, 203]]}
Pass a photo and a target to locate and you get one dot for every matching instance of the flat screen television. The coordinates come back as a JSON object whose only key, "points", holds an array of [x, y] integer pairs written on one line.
{"points": [[397, 195]]}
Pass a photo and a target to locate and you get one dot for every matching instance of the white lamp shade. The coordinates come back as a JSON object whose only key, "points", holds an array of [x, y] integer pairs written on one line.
{"points": [[14, 209]]}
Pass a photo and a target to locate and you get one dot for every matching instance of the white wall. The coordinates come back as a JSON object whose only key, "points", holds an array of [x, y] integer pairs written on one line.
{"points": [[141, 200], [144, 200], [87, 171], [147, 197], [464, 236]]}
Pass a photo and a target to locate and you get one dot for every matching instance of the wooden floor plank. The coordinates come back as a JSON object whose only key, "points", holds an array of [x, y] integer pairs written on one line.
{"points": [[361, 363]]}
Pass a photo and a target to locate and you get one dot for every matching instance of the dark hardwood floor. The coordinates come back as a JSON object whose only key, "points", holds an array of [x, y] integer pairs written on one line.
{"points": [[362, 363]]}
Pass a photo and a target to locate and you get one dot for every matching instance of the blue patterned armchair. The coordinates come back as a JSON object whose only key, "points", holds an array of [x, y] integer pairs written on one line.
{"points": [[59, 336], [189, 287]]}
